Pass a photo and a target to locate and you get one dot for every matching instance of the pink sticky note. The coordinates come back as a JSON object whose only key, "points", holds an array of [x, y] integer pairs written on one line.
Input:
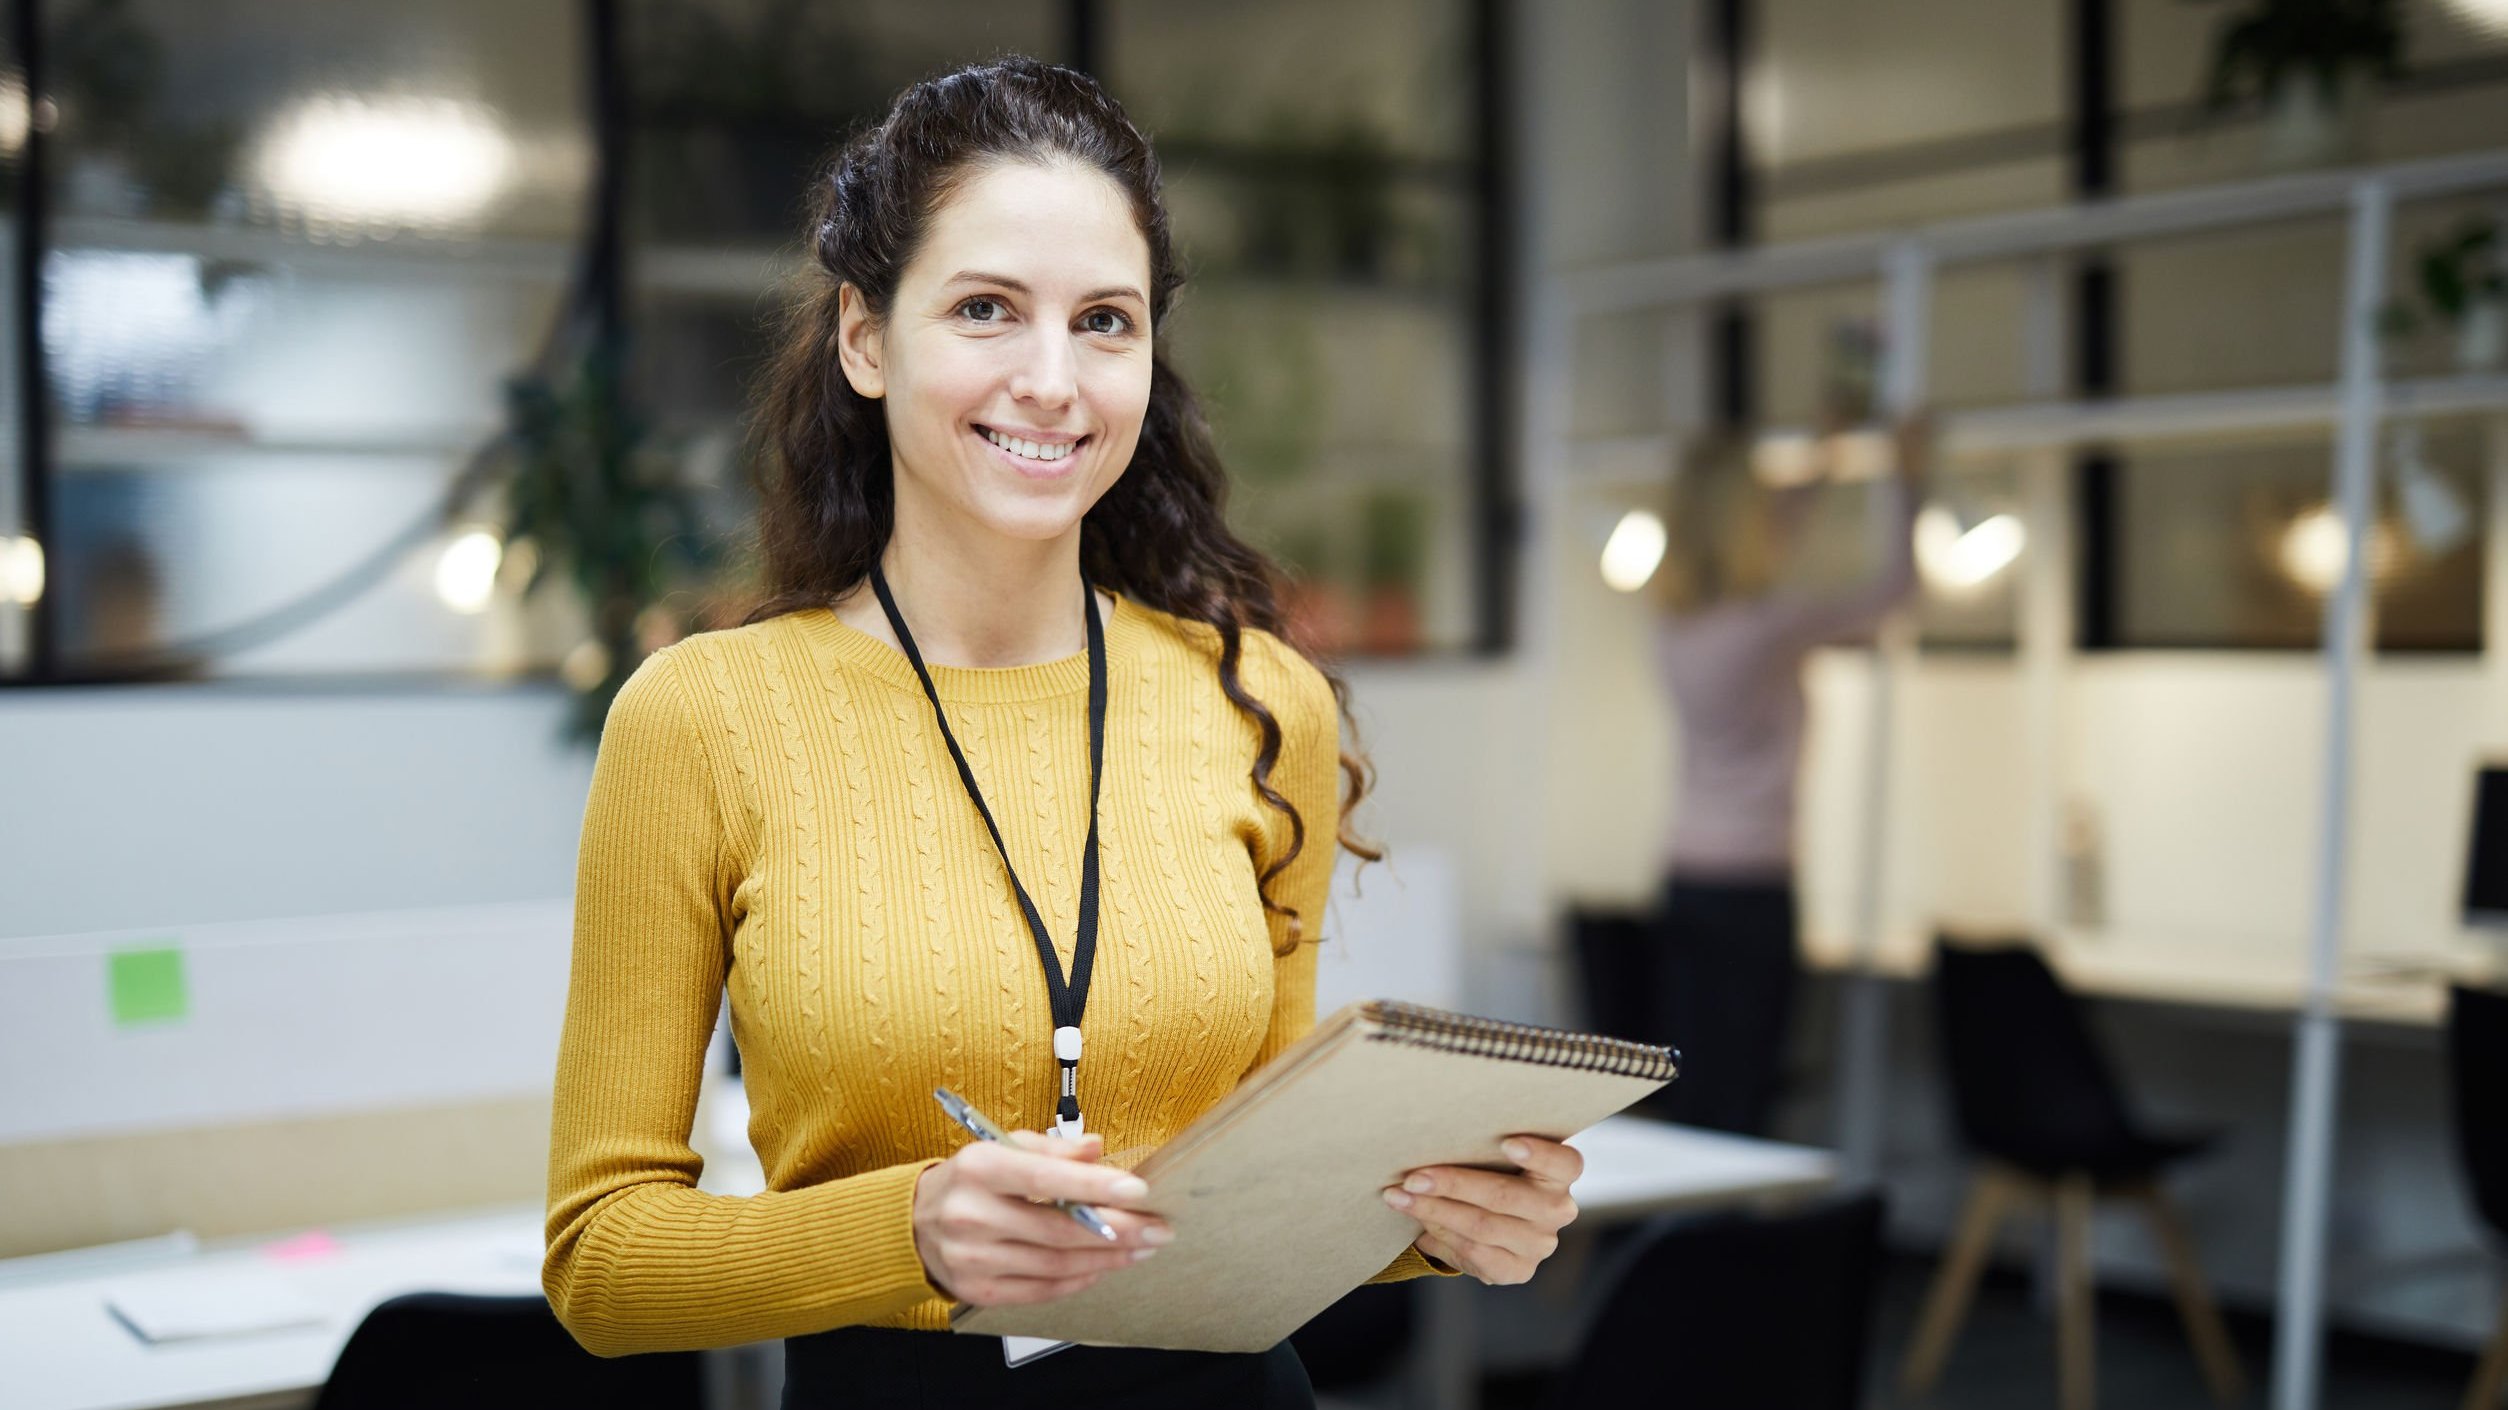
{"points": [[303, 1248]]}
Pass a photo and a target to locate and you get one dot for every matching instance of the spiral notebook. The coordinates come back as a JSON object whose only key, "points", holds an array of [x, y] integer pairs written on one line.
{"points": [[1275, 1193]]}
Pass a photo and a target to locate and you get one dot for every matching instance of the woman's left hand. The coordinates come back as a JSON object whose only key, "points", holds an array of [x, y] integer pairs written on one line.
{"points": [[1496, 1227]]}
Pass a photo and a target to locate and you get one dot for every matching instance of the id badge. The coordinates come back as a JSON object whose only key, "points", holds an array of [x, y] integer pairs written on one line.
{"points": [[1019, 1351]]}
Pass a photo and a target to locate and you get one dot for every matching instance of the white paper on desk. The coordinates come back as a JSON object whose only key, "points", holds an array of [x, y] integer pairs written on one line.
{"points": [[187, 1304]]}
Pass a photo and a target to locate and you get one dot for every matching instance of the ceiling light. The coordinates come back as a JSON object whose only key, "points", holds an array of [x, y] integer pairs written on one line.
{"points": [[2316, 548], [1634, 551], [465, 577], [341, 162], [21, 571], [1956, 560]]}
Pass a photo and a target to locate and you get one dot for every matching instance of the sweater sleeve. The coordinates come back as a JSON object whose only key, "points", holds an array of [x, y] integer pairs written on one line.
{"points": [[638, 1259], [1308, 774]]}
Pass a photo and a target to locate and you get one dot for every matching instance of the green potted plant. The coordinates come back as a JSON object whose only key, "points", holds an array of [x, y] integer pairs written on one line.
{"points": [[1393, 566], [1314, 605], [2462, 282], [2307, 64], [604, 507]]}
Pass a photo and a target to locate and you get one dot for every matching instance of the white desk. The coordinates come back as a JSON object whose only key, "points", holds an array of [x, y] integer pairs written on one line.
{"points": [[2407, 989], [1634, 1167], [60, 1349]]}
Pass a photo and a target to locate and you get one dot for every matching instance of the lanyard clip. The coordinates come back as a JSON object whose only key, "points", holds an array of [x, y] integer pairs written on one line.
{"points": [[1067, 1052]]}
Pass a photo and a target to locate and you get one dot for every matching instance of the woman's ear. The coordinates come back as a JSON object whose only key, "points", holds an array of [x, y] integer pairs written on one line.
{"points": [[858, 343]]}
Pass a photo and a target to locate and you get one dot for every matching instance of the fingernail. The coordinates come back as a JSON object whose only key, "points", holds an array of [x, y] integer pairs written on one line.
{"points": [[1142, 1255], [1132, 1187], [1419, 1184], [1157, 1234], [1397, 1199], [1516, 1150]]}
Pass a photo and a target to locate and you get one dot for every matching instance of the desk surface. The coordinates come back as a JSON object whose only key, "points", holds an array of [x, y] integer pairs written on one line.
{"points": [[64, 1351], [2404, 989], [1635, 1167]]}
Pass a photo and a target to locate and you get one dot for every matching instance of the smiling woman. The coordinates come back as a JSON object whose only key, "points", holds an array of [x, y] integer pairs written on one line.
{"points": [[1018, 373], [1017, 673]]}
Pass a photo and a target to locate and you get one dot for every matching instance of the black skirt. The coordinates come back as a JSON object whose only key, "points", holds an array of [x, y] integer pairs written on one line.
{"points": [[884, 1368]]}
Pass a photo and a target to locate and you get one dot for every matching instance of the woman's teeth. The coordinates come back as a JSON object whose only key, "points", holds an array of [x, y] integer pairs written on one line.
{"points": [[1030, 450]]}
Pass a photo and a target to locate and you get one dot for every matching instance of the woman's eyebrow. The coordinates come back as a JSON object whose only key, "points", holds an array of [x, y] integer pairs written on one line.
{"points": [[1020, 286]]}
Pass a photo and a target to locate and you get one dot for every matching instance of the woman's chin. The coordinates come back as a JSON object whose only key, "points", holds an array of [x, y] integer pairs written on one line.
{"points": [[1030, 523]]}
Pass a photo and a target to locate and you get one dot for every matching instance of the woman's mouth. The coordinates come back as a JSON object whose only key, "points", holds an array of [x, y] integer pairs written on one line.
{"points": [[1028, 456]]}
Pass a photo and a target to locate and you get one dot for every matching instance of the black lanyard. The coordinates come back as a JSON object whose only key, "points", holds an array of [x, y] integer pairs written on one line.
{"points": [[1070, 998]]}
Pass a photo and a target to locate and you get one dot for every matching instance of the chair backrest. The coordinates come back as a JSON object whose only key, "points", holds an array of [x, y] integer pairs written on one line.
{"points": [[1739, 1311], [2477, 1056], [2029, 1084], [425, 1351]]}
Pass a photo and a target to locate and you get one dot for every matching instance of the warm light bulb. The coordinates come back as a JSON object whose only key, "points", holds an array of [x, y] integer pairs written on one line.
{"points": [[1634, 550], [2317, 547], [465, 577], [21, 571], [1956, 560]]}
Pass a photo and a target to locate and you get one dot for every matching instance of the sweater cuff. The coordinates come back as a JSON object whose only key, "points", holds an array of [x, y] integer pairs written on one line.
{"points": [[879, 1251], [1414, 1264]]}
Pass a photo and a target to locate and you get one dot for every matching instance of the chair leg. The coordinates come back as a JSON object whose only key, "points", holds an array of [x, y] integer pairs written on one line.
{"points": [[2491, 1377], [2076, 1353], [2195, 1307], [1990, 1196]]}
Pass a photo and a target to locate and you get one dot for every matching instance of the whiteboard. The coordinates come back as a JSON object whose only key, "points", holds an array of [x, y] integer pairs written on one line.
{"points": [[306, 1016]]}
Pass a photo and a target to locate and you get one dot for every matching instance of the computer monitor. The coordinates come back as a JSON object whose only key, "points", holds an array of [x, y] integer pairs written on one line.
{"points": [[2486, 859]]}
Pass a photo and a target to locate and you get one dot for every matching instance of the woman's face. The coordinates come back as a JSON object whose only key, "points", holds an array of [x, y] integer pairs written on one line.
{"points": [[1015, 360]]}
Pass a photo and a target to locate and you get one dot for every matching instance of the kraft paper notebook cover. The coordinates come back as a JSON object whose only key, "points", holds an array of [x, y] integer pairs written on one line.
{"points": [[1275, 1193]]}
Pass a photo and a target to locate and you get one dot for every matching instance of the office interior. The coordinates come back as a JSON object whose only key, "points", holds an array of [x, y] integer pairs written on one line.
{"points": [[298, 703]]}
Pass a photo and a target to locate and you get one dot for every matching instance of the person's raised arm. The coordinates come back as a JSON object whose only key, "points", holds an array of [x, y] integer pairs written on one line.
{"points": [[1856, 609], [638, 1259]]}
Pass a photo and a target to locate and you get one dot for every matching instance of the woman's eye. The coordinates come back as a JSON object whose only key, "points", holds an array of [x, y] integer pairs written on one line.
{"points": [[1104, 320], [981, 310]]}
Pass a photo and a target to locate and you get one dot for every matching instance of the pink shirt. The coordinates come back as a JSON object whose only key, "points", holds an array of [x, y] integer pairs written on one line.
{"points": [[1735, 671]]}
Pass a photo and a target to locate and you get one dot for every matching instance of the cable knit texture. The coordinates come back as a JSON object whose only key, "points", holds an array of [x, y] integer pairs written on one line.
{"points": [[774, 817]]}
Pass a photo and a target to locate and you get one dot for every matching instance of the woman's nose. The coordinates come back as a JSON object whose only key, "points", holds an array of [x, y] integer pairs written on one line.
{"points": [[1049, 374]]}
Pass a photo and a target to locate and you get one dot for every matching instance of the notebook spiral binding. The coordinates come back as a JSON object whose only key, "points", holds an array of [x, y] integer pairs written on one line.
{"points": [[1391, 1021]]}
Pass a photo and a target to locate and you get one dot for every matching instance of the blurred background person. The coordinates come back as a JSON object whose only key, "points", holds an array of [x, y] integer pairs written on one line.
{"points": [[1717, 977]]}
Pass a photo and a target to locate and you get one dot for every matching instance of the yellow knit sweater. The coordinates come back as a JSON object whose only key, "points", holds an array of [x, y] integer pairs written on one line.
{"points": [[773, 816]]}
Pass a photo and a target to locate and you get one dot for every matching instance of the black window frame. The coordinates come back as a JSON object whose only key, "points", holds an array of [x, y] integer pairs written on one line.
{"points": [[1496, 513]]}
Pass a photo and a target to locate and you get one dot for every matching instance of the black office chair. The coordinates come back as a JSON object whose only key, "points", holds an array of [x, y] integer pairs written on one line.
{"points": [[1618, 957], [1737, 1311], [427, 1351], [1614, 949], [2036, 1099], [2477, 1056]]}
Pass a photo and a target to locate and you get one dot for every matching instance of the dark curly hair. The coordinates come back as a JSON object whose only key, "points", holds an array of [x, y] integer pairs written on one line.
{"points": [[1158, 535]]}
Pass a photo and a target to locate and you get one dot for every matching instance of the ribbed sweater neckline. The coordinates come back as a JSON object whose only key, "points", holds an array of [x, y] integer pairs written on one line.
{"points": [[975, 685]]}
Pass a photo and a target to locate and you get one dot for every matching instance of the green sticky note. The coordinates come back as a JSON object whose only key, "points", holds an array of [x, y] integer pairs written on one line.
{"points": [[147, 986]]}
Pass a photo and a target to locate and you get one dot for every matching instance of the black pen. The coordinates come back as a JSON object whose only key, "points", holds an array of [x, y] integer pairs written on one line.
{"points": [[964, 1113]]}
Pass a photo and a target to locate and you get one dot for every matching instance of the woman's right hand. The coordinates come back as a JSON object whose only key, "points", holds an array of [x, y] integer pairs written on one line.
{"points": [[985, 1241]]}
